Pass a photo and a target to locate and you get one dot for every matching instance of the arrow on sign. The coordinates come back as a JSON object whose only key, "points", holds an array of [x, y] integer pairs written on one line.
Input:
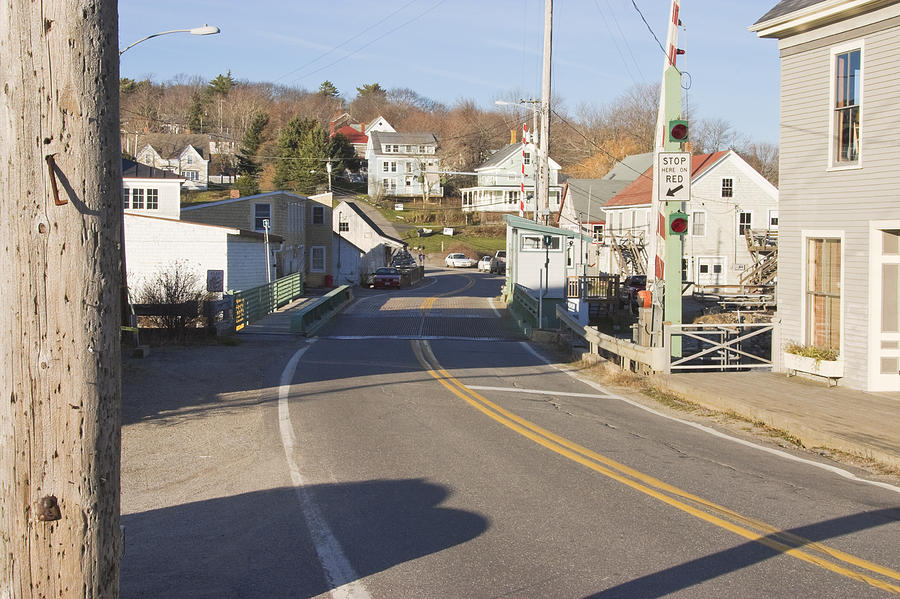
{"points": [[671, 193]]}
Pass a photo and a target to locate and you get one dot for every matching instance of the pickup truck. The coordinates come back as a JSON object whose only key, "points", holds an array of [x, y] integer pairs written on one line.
{"points": [[498, 262]]}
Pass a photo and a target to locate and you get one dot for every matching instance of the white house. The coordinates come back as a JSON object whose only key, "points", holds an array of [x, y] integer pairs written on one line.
{"points": [[360, 246], [222, 258], [839, 237], [402, 164], [502, 177], [189, 161], [150, 191], [728, 197]]}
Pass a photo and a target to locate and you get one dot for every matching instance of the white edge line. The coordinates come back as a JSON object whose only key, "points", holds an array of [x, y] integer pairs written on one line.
{"points": [[777, 452], [541, 392], [490, 302], [338, 571]]}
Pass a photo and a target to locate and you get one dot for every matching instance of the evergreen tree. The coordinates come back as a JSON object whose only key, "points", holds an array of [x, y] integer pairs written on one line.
{"points": [[304, 149], [222, 84], [253, 138], [328, 89]]}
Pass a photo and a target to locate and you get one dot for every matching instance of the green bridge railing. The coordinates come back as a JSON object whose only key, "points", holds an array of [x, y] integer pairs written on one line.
{"points": [[252, 304]]}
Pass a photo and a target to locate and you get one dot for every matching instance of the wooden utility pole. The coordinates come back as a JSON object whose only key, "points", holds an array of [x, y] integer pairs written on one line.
{"points": [[60, 236]]}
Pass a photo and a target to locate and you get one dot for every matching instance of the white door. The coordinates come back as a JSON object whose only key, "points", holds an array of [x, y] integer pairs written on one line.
{"points": [[884, 355], [711, 270]]}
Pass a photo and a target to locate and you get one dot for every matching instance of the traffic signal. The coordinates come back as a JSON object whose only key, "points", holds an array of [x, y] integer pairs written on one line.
{"points": [[678, 223], [678, 131], [547, 240]]}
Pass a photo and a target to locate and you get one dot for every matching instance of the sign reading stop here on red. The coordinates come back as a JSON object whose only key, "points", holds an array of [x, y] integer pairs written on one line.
{"points": [[673, 176]]}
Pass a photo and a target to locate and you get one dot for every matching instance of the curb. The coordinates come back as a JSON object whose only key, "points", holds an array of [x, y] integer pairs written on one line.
{"points": [[809, 436]]}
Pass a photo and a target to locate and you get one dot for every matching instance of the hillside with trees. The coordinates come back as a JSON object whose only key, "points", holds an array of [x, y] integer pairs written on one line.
{"points": [[280, 133]]}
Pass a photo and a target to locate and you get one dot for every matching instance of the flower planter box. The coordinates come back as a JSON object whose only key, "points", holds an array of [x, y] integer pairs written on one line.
{"points": [[830, 369]]}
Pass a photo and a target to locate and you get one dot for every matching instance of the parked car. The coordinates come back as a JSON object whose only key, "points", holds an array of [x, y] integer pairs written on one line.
{"points": [[403, 261], [629, 289], [386, 277], [459, 261], [498, 262], [484, 265]]}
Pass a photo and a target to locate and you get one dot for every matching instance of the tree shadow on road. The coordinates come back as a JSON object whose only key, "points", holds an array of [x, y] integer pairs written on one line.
{"points": [[258, 545]]}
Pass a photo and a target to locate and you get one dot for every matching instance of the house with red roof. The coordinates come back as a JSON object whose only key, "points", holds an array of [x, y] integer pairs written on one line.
{"points": [[728, 197]]}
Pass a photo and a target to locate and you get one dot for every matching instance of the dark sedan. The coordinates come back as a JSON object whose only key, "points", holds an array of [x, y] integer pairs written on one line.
{"points": [[386, 277]]}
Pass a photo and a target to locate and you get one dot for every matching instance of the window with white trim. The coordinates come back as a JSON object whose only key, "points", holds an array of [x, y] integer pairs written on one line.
{"points": [[125, 198], [773, 220], [597, 232], [727, 188], [152, 199], [343, 227], [137, 199], [318, 215], [698, 224], [845, 124], [745, 221], [317, 258], [823, 292]]}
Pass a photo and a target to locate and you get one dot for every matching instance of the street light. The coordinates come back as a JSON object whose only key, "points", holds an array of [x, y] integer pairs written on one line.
{"points": [[205, 30]]}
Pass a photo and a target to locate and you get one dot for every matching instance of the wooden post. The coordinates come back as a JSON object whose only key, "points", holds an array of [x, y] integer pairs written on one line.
{"points": [[60, 363]]}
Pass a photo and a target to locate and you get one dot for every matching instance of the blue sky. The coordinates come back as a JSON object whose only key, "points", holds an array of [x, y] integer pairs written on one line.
{"points": [[449, 50]]}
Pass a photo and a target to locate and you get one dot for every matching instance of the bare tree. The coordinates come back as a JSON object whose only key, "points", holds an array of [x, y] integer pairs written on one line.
{"points": [[60, 288]]}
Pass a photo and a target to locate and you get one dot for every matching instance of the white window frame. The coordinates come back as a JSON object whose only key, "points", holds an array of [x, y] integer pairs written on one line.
{"points": [[804, 275], [556, 243], [151, 194], [313, 251], [694, 232], [772, 215], [741, 213], [126, 196], [137, 199], [832, 164], [729, 188]]}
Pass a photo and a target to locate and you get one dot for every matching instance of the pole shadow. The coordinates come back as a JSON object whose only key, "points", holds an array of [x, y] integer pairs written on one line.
{"points": [[258, 544]]}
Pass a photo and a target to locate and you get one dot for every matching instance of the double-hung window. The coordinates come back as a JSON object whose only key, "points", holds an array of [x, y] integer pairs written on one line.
{"points": [[847, 96], [698, 224], [137, 199], [125, 198], [823, 292], [152, 199], [727, 188], [317, 258], [745, 222], [318, 215]]}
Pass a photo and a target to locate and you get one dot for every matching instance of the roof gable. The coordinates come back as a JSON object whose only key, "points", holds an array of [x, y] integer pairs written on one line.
{"points": [[136, 170], [639, 192]]}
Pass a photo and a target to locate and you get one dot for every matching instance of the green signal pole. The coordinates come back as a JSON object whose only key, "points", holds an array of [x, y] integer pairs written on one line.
{"points": [[674, 243]]}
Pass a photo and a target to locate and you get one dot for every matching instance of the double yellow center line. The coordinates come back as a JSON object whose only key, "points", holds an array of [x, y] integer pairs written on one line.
{"points": [[428, 303], [770, 536]]}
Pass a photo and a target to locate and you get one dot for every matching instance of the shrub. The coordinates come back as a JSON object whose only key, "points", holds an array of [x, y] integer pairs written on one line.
{"points": [[812, 351], [177, 285]]}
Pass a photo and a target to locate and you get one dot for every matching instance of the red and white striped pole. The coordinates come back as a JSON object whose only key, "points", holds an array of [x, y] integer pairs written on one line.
{"points": [[524, 174]]}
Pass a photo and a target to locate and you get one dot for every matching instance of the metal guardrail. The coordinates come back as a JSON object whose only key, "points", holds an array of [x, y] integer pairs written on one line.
{"points": [[252, 304], [317, 312], [720, 347]]}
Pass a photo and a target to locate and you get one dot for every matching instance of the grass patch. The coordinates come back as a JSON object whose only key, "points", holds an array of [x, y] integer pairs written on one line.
{"points": [[203, 197]]}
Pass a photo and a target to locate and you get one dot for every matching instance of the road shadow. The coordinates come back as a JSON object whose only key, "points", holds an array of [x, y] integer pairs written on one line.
{"points": [[697, 571], [258, 545]]}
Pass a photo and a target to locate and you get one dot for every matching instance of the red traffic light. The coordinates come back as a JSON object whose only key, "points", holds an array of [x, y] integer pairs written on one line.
{"points": [[678, 223], [678, 130]]}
